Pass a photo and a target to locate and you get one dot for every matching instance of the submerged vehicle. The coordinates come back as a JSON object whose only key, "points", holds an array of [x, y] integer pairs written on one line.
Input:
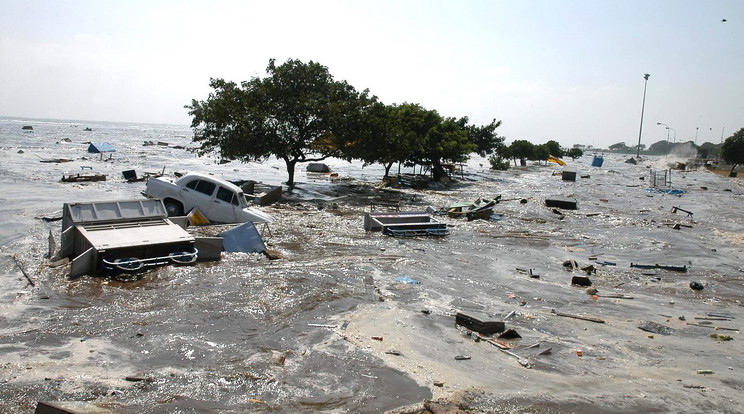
{"points": [[123, 236], [216, 199]]}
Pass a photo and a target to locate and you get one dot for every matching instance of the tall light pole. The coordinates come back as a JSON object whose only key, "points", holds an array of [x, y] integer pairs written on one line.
{"points": [[666, 127], [643, 107], [696, 131]]}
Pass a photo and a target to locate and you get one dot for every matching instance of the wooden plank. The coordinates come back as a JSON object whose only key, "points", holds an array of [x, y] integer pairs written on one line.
{"points": [[582, 317]]}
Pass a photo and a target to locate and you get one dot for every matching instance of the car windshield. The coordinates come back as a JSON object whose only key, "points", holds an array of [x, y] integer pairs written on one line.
{"points": [[242, 200]]}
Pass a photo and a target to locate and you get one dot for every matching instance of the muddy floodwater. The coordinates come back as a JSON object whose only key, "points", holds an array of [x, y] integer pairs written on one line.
{"points": [[355, 321]]}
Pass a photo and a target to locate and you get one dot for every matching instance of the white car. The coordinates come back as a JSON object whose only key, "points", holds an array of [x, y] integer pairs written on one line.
{"points": [[218, 200]]}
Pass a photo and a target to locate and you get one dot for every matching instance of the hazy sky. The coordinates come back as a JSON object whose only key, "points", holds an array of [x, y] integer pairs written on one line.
{"points": [[565, 70]]}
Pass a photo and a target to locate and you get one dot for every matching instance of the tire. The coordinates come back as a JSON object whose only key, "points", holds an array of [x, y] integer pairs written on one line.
{"points": [[128, 264], [173, 208]]}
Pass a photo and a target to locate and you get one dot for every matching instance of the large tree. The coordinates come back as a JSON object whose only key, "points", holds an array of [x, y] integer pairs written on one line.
{"points": [[485, 139], [522, 150], [554, 148], [298, 113], [446, 141], [732, 150], [392, 133]]}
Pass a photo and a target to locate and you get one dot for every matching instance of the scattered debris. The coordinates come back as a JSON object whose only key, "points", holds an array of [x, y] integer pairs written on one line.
{"points": [[479, 325], [722, 338], [720, 315], [479, 209], [718, 328], [100, 148], [570, 264], [581, 281], [131, 175], [20, 266], [393, 352], [658, 266], [407, 280], [561, 202], [318, 167], [82, 178], [597, 161], [656, 328], [696, 285], [196, 218], [61, 407], [569, 174], [55, 160], [510, 334], [405, 224], [675, 209], [616, 296], [322, 325], [243, 238], [582, 317], [277, 357]]}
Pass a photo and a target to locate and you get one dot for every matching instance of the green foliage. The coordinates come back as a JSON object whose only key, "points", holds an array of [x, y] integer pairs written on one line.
{"points": [[522, 150], [299, 113], [296, 112], [498, 163], [732, 150], [575, 153], [446, 141], [484, 137], [554, 149], [540, 153], [620, 146], [709, 150]]}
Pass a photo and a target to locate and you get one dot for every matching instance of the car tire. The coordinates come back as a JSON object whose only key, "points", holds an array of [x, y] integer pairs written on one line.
{"points": [[173, 208]]}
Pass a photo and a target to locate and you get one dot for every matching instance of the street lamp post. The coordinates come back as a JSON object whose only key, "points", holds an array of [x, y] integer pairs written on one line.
{"points": [[666, 127], [696, 132], [643, 107]]}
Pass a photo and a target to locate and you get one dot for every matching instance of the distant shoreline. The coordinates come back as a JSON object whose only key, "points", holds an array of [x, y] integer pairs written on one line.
{"points": [[84, 121]]}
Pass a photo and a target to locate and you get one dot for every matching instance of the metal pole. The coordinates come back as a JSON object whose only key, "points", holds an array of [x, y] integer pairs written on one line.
{"points": [[696, 132], [643, 107]]}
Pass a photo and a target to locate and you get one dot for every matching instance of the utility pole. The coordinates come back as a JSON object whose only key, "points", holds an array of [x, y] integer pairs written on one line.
{"points": [[643, 107]]}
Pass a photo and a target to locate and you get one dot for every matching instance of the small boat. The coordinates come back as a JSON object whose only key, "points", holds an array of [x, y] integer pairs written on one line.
{"points": [[479, 209]]}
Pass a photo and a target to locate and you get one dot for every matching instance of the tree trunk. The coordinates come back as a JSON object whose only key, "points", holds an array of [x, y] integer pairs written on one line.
{"points": [[291, 163], [387, 169], [437, 170]]}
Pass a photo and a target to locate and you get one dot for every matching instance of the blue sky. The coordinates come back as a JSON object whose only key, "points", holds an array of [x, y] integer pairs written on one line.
{"points": [[571, 71]]}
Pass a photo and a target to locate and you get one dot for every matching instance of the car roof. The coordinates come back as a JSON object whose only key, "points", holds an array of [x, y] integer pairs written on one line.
{"points": [[211, 178]]}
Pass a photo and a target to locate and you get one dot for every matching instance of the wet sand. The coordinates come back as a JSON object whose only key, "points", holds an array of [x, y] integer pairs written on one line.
{"points": [[330, 328]]}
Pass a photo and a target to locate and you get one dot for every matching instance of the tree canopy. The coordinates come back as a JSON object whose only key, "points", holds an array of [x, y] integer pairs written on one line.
{"points": [[732, 150], [297, 113]]}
